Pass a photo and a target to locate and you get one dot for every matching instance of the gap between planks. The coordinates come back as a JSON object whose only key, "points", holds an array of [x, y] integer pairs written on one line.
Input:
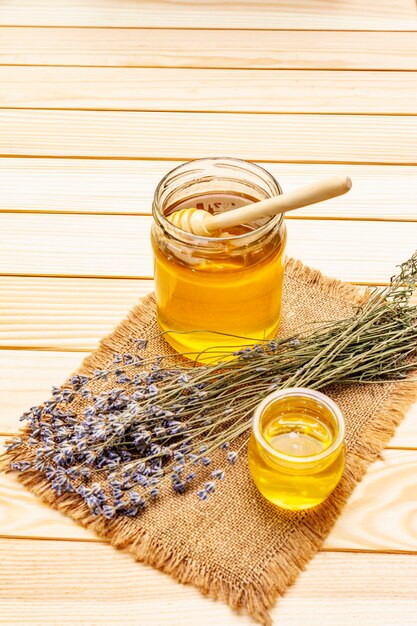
{"points": [[121, 247], [127, 134], [313, 218], [75, 109], [127, 187]]}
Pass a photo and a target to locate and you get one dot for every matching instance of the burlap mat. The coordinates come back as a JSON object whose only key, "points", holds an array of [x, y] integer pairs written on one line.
{"points": [[237, 546]]}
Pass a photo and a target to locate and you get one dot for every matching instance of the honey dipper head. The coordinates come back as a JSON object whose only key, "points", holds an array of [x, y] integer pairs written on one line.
{"points": [[192, 221]]}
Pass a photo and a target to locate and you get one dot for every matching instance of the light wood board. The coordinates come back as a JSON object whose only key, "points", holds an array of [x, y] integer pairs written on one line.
{"points": [[111, 186], [79, 582], [347, 14], [119, 246], [267, 137], [69, 314], [161, 89], [241, 49], [113, 93]]}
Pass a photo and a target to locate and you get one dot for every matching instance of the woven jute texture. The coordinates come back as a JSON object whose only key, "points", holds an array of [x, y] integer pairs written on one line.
{"points": [[237, 546]]}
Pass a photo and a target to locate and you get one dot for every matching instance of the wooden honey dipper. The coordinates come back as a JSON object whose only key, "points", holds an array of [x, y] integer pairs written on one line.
{"points": [[200, 222]]}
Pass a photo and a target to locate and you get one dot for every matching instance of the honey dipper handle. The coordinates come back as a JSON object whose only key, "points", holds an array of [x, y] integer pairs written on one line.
{"points": [[323, 190]]}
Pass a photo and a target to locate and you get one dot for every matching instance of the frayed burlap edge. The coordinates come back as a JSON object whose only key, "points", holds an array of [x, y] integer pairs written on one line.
{"points": [[283, 568]]}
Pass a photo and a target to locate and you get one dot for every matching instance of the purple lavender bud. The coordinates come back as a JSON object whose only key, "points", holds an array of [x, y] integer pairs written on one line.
{"points": [[16, 442], [136, 498], [91, 501], [21, 466], [90, 457], [152, 390], [232, 457], [123, 379], [132, 511], [85, 472], [108, 511], [101, 374], [202, 494], [72, 472], [210, 487], [179, 487]]}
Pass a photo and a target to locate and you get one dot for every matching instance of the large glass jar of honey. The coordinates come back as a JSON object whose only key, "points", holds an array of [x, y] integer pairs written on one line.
{"points": [[214, 294]]}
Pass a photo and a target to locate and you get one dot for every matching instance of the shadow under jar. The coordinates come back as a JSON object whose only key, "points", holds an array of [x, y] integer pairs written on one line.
{"points": [[217, 293]]}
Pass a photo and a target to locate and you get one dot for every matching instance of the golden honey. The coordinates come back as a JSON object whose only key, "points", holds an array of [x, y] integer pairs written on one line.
{"points": [[296, 452], [215, 294]]}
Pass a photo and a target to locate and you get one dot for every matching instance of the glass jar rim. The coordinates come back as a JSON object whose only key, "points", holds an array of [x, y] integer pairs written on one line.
{"points": [[299, 392], [184, 236]]}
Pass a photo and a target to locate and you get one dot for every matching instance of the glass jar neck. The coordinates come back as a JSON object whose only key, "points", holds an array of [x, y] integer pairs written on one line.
{"points": [[301, 463], [215, 176]]}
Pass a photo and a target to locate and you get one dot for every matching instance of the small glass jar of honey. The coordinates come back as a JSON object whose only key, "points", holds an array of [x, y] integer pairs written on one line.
{"points": [[216, 293], [296, 451]]}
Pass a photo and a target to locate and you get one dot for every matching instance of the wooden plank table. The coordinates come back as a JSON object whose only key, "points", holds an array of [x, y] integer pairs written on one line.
{"points": [[98, 99]]}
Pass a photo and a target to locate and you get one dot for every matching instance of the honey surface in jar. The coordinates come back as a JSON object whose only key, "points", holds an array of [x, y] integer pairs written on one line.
{"points": [[227, 288], [298, 430]]}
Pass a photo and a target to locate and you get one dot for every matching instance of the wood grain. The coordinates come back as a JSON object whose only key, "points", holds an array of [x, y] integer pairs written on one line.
{"points": [[381, 514], [69, 314], [26, 379], [119, 246], [51, 582], [159, 89], [210, 48], [111, 186], [141, 71], [267, 137], [22, 514], [319, 14]]}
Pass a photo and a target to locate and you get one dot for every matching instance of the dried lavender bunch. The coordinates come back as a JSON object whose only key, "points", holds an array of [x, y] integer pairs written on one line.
{"points": [[161, 422]]}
